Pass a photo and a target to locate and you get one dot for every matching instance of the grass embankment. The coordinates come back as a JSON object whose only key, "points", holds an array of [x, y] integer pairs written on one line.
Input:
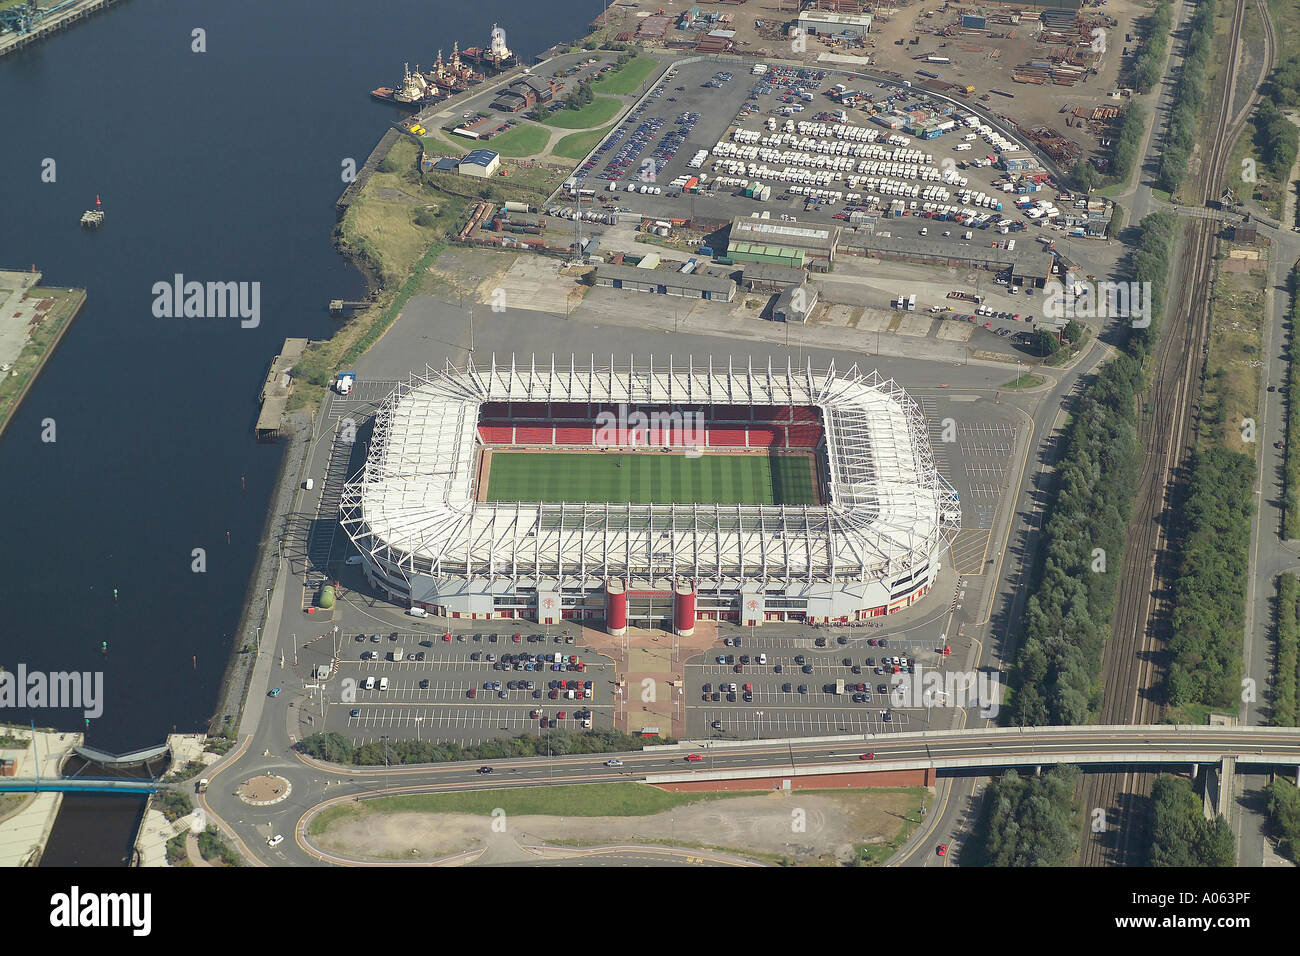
{"points": [[578, 145], [1232, 375], [625, 81], [596, 113], [593, 800], [336, 748], [1286, 655], [1190, 95], [37, 350]]}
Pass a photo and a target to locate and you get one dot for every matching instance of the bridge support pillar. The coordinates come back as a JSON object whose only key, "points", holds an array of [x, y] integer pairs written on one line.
{"points": [[1196, 770], [1226, 786], [1038, 770]]}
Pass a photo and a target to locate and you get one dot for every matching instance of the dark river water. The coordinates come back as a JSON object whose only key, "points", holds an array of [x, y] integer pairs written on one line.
{"points": [[220, 166]]}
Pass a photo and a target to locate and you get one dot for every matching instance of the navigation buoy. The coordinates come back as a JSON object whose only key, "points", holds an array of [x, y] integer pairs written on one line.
{"points": [[114, 595], [195, 661], [103, 647], [243, 482], [227, 537]]}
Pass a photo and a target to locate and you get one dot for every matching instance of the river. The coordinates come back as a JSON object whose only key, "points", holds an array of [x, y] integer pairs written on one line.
{"points": [[221, 165]]}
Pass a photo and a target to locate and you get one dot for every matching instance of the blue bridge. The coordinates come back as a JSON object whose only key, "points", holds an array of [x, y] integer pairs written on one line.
{"points": [[77, 785]]}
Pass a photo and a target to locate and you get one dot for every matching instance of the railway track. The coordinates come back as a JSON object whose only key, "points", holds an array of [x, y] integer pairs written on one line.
{"points": [[1131, 668]]}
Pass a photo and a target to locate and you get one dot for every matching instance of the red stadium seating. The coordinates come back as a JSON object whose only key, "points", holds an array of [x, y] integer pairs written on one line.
{"points": [[806, 413], [771, 413], [765, 437], [497, 434], [804, 436], [725, 437], [573, 435], [534, 435], [495, 410]]}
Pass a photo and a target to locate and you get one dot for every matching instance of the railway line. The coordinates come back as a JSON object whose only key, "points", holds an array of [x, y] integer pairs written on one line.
{"points": [[1131, 669]]}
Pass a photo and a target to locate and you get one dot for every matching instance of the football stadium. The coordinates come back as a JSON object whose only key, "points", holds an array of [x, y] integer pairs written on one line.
{"points": [[650, 495]]}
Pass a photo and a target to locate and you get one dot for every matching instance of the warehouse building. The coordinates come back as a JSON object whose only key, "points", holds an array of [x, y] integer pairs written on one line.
{"points": [[761, 277], [686, 285], [834, 24], [817, 243], [753, 253], [1030, 264], [480, 162], [795, 304]]}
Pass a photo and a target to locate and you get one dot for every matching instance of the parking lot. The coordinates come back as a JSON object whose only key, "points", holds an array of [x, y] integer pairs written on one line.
{"points": [[466, 689], [794, 694], [780, 122]]}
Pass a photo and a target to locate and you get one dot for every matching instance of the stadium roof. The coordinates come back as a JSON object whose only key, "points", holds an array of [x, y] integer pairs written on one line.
{"points": [[413, 507]]}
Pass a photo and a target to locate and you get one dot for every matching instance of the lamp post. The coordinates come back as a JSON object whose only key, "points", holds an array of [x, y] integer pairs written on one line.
{"points": [[384, 738]]}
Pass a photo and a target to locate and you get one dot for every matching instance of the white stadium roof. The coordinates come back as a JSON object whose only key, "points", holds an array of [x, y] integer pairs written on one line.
{"points": [[413, 507]]}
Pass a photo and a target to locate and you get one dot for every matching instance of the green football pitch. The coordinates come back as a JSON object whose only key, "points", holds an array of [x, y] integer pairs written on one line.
{"points": [[652, 478]]}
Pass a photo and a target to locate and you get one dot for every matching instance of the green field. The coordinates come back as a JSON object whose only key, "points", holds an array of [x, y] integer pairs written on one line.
{"points": [[599, 111], [624, 81], [652, 478], [578, 145]]}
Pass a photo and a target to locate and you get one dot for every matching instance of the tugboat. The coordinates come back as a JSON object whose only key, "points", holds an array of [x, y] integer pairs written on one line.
{"points": [[497, 58], [415, 90], [93, 218]]}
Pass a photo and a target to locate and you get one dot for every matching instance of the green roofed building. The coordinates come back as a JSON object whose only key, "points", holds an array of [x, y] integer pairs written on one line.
{"points": [[766, 255]]}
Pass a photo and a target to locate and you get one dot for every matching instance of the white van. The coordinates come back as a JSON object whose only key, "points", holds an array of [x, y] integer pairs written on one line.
{"points": [[417, 612], [397, 655], [370, 683], [383, 683]]}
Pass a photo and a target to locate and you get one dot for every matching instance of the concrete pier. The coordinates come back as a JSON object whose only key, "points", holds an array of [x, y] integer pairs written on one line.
{"points": [[10, 42]]}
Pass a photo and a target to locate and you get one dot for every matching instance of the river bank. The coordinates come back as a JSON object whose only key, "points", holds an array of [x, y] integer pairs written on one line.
{"points": [[47, 314]]}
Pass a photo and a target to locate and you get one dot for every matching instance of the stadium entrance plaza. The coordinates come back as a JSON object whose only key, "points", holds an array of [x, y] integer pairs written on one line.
{"points": [[980, 437]]}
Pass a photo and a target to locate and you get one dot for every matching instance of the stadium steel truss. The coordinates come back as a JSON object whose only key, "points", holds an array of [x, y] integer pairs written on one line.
{"points": [[412, 512]]}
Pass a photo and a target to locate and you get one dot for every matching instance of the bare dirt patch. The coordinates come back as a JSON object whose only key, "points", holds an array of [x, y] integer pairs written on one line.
{"points": [[765, 825]]}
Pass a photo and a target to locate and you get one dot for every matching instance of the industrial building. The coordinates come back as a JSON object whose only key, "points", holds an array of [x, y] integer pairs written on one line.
{"points": [[479, 162], [795, 303], [834, 24], [427, 539], [752, 253], [1030, 264], [761, 277], [661, 281], [815, 242]]}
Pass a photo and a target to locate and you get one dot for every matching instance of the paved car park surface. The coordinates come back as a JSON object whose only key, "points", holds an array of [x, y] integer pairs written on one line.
{"points": [[431, 697]]}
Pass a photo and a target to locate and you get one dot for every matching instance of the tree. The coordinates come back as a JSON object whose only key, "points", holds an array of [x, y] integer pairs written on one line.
{"points": [[1073, 332], [1045, 342]]}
